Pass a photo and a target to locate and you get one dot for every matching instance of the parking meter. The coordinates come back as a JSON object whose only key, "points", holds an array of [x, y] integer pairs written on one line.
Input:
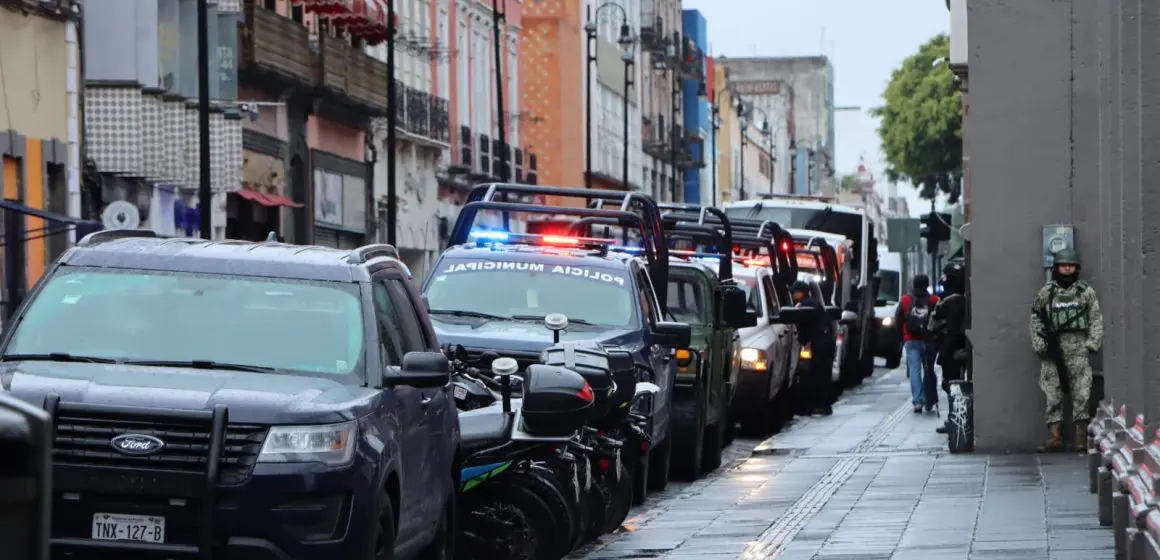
{"points": [[25, 479]]}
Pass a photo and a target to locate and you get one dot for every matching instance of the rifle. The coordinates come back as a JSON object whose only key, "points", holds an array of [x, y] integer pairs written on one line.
{"points": [[1051, 338]]}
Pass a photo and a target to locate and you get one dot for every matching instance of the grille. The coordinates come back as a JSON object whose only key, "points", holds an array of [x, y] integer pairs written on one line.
{"points": [[525, 359], [85, 442]]}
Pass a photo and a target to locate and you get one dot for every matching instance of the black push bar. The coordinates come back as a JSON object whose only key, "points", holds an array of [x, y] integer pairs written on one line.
{"points": [[687, 222]]}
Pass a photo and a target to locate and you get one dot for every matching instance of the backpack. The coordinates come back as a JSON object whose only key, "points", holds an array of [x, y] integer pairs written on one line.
{"points": [[937, 325], [917, 315]]}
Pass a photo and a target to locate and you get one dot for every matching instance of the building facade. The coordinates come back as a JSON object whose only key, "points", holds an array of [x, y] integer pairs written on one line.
{"points": [[615, 88], [39, 140], [694, 93]]}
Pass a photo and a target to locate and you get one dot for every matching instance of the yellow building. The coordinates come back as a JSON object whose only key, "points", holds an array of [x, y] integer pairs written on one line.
{"points": [[38, 133]]}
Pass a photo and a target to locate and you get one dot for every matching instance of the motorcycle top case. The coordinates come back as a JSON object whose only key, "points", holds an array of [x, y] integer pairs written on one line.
{"points": [[589, 360], [557, 401]]}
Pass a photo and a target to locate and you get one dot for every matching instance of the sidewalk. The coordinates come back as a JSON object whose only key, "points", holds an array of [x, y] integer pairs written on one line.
{"points": [[874, 481]]}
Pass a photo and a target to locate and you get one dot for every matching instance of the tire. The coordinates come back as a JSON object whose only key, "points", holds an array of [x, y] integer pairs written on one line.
{"points": [[620, 493], [730, 432], [659, 460], [714, 442], [640, 478], [442, 547], [535, 523], [689, 419], [381, 545], [782, 407], [597, 502], [758, 420], [894, 360], [548, 487]]}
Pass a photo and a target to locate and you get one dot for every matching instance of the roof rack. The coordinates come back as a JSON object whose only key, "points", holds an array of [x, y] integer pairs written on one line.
{"points": [[634, 210], [106, 235], [687, 222]]}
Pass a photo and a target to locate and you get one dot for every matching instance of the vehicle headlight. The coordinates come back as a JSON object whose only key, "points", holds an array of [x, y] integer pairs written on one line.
{"points": [[887, 321], [805, 353], [331, 444], [752, 358]]}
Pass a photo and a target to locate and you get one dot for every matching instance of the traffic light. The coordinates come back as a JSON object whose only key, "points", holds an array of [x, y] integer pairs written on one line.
{"points": [[936, 227]]}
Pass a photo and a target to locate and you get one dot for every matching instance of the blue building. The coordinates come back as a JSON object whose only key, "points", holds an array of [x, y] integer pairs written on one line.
{"points": [[695, 114]]}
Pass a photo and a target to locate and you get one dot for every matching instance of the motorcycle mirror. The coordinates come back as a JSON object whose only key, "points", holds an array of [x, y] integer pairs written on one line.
{"points": [[556, 321], [504, 366]]}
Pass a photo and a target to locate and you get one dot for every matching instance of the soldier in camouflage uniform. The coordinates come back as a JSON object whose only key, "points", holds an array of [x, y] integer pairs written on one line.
{"points": [[1072, 313]]}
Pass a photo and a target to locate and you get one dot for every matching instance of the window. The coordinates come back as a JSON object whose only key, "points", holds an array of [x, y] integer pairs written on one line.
{"points": [[297, 14], [510, 289], [271, 5], [414, 339], [752, 294], [771, 303], [286, 325], [649, 301], [687, 301], [390, 326]]}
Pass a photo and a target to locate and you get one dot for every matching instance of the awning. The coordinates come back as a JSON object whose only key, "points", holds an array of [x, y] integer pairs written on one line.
{"points": [[366, 19], [267, 199], [57, 223]]}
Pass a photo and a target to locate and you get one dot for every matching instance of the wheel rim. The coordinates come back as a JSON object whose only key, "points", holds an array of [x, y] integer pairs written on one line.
{"points": [[516, 544]]}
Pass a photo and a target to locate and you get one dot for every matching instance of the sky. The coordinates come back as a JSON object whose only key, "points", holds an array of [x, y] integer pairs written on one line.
{"points": [[865, 40]]}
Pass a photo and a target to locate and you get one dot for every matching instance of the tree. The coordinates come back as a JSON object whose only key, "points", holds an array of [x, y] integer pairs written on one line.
{"points": [[846, 183], [922, 122]]}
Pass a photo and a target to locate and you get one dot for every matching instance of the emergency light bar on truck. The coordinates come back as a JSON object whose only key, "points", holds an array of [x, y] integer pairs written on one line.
{"points": [[634, 210]]}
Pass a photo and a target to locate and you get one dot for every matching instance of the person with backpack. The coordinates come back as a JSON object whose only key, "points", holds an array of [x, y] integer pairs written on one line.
{"points": [[947, 327], [913, 313]]}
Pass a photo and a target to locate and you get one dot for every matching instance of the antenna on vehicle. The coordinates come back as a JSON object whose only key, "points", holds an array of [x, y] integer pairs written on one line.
{"points": [[503, 368], [272, 237]]}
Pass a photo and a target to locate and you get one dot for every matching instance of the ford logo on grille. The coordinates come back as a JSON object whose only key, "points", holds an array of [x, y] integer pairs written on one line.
{"points": [[136, 444]]}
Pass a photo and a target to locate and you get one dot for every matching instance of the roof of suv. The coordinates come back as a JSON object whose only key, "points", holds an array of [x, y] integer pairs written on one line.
{"points": [[143, 251]]}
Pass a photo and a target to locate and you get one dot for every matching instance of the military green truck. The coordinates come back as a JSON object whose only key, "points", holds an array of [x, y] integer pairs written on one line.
{"points": [[701, 288]]}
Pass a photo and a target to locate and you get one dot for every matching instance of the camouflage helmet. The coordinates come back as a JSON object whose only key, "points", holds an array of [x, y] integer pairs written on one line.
{"points": [[1067, 256]]}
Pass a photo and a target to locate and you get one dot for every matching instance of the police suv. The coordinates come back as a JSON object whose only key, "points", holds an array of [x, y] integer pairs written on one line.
{"points": [[491, 290]]}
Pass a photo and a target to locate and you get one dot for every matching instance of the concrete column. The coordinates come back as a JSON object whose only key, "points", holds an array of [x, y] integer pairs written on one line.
{"points": [[1115, 364], [1113, 380], [1149, 22], [1021, 151], [1133, 323], [1085, 127]]}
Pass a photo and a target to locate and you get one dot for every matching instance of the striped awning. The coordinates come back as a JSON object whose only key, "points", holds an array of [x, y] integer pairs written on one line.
{"points": [[365, 19]]}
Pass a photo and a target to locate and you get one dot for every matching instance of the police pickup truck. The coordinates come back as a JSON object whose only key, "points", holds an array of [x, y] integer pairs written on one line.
{"points": [[492, 288]]}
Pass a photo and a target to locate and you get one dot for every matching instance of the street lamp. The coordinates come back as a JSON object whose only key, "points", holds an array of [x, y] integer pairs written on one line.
{"points": [[628, 58], [767, 133], [715, 125], [743, 122], [625, 41]]}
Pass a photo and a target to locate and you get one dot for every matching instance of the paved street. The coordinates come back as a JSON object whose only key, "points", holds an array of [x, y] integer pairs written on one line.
{"points": [[873, 481]]}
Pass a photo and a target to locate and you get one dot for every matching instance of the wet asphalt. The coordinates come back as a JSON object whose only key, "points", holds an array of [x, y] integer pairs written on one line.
{"points": [[873, 481]]}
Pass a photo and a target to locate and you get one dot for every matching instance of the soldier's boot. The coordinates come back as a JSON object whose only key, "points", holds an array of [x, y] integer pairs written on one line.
{"points": [[1080, 443], [1054, 442]]}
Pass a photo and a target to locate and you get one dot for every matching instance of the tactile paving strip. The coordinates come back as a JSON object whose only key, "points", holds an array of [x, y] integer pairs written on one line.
{"points": [[775, 538]]}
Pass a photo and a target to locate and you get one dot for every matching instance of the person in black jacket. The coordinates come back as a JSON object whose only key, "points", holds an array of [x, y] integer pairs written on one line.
{"points": [[816, 334], [948, 323]]}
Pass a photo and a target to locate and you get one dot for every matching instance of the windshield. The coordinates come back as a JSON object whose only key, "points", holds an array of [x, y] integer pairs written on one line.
{"points": [[688, 301], [890, 289], [751, 293], [532, 290], [839, 222], [133, 315]]}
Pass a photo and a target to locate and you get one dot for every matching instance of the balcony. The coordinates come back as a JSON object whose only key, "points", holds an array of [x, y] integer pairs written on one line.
{"points": [[353, 76], [690, 151], [652, 27], [690, 62], [653, 141], [276, 46], [422, 118]]}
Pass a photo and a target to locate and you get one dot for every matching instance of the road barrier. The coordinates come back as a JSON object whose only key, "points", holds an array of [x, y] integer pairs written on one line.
{"points": [[1124, 460]]}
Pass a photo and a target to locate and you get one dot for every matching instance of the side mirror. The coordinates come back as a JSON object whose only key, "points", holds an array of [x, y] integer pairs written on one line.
{"points": [[672, 335], [793, 316], [734, 308], [834, 313], [848, 318], [421, 369]]}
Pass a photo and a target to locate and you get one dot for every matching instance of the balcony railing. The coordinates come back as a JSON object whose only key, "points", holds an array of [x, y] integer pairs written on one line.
{"points": [[275, 44], [690, 152], [422, 115], [352, 74], [653, 141]]}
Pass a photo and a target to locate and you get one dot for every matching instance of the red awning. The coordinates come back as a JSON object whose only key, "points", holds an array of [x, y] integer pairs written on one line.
{"points": [[279, 200], [256, 197], [368, 20], [327, 7]]}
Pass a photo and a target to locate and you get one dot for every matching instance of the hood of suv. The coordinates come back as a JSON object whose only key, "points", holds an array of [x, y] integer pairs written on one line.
{"points": [[516, 336], [252, 398]]}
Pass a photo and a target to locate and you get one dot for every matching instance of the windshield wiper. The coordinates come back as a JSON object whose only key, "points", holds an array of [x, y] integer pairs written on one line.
{"points": [[199, 364], [571, 321], [56, 357], [474, 314]]}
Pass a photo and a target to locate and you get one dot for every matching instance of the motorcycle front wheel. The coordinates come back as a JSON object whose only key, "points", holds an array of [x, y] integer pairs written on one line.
{"points": [[620, 498], [504, 519]]}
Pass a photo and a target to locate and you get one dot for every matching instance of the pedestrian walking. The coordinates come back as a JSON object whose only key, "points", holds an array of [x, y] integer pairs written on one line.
{"points": [[1066, 327], [913, 313], [948, 328]]}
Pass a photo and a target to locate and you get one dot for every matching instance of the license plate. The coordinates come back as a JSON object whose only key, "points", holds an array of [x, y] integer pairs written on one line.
{"points": [[460, 393], [134, 528]]}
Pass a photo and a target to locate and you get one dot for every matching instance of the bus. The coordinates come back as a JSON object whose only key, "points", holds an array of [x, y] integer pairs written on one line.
{"points": [[821, 214]]}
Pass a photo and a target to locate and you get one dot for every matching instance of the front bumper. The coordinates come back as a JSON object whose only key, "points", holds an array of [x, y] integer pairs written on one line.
{"points": [[283, 511], [888, 342], [752, 388]]}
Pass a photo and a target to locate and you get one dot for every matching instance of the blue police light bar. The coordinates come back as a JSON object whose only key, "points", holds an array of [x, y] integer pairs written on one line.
{"points": [[483, 236], [491, 235]]}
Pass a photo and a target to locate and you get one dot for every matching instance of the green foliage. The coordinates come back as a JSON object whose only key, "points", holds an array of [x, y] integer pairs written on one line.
{"points": [[922, 122], [846, 183]]}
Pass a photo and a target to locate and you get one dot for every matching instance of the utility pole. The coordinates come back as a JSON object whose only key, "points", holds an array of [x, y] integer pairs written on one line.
{"points": [[205, 186], [392, 116], [496, 18]]}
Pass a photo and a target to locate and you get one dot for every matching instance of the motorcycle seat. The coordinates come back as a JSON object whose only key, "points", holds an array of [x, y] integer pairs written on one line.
{"points": [[483, 428]]}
